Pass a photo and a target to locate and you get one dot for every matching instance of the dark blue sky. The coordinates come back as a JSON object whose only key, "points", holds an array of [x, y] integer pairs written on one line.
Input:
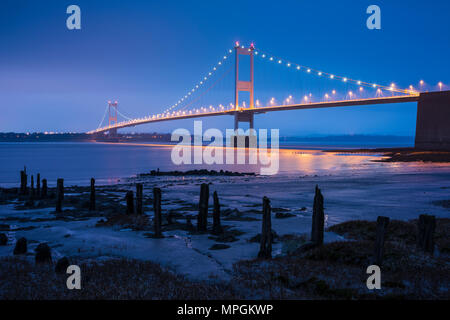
{"points": [[147, 54]]}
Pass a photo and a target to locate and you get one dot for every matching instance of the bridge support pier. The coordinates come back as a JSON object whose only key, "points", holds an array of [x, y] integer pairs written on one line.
{"points": [[243, 117], [433, 121], [112, 133], [250, 139]]}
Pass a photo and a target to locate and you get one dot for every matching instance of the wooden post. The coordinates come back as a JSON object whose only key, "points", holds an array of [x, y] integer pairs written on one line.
{"points": [[189, 222], [44, 188], [23, 182], [217, 228], [202, 219], [139, 192], [265, 250], [38, 185], [425, 237], [157, 211], [382, 225], [32, 187], [317, 219], [92, 198], [59, 194], [130, 202], [169, 217]]}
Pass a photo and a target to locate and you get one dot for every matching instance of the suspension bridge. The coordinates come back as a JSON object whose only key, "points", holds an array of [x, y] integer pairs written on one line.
{"points": [[433, 115]]}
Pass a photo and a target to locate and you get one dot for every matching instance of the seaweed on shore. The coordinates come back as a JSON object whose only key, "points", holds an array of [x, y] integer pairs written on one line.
{"points": [[200, 172]]}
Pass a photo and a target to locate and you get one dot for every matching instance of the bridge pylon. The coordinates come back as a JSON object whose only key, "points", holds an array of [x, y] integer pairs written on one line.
{"points": [[246, 86], [112, 116]]}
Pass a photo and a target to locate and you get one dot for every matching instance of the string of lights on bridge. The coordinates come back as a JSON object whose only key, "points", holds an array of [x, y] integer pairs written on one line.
{"points": [[201, 83], [319, 73], [173, 114]]}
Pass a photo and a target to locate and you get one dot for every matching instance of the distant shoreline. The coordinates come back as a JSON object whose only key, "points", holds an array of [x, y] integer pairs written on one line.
{"points": [[402, 154]]}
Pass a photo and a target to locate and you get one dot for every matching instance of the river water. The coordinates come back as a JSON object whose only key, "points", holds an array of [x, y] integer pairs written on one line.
{"points": [[109, 162]]}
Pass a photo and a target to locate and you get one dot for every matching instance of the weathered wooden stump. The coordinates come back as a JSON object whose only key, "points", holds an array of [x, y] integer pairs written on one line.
{"points": [[21, 246], [23, 182], [189, 223], [3, 239], [202, 218], [425, 237], [169, 217], [318, 219], [129, 198], [92, 197], [44, 188], [38, 185], [217, 228], [62, 265], [32, 186], [382, 225], [265, 249], [59, 194], [139, 196], [157, 212], [43, 253]]}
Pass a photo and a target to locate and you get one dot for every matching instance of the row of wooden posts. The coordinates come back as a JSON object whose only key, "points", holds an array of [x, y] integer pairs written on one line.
{"points": [[202, 217], [32, 192], [425, 236], [42, 193], [426, 226]]}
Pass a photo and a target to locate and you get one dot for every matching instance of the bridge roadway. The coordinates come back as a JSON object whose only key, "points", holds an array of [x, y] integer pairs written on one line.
{"points": [[256, 110]]}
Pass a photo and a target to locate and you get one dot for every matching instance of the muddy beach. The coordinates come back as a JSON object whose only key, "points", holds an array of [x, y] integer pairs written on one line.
{"points": [[111, 240]]}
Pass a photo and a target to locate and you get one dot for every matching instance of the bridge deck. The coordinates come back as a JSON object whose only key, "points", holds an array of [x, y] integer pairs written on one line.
{"points": [[315, 105]]}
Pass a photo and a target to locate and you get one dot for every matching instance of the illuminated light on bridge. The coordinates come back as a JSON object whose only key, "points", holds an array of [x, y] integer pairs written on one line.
{"points": [[422, 85], [379, 92], [288, 99], [440, 84]]}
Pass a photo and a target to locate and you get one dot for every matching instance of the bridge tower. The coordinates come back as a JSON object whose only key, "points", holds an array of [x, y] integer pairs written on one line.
{"points": [[112, 119], [433, 119], [241, 115]]}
